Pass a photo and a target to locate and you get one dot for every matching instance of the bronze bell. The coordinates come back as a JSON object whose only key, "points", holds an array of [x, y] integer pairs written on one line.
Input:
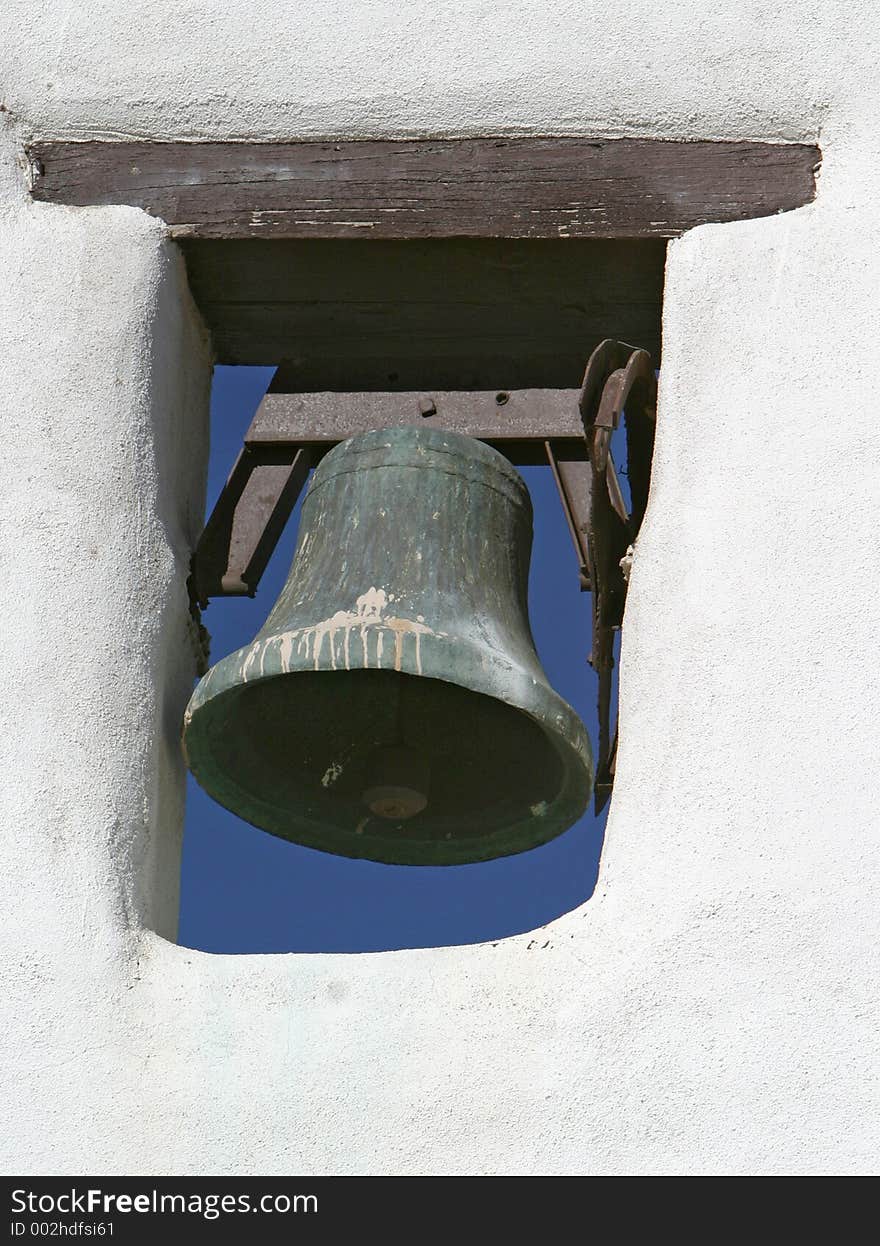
{"points": [[393, 706]]}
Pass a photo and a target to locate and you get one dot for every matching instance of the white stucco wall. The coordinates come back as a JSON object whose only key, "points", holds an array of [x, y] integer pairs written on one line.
{"points": [[713, 1008]]}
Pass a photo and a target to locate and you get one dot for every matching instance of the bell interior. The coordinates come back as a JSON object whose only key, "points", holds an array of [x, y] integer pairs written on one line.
{"points": [[301, 749]]}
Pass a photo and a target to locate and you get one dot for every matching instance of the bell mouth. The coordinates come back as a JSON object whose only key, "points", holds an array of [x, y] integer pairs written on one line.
{"points": [[388, 766]]}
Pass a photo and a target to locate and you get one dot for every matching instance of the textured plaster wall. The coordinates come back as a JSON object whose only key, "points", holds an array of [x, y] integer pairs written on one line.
{"points": [[713, 1008]]}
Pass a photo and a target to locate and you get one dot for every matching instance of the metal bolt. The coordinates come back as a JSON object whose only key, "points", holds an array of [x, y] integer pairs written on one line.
{"points": [[427, 406]]}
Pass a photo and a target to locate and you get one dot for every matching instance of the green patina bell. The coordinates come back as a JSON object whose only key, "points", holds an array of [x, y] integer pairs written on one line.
{"points": [[393, 706]]}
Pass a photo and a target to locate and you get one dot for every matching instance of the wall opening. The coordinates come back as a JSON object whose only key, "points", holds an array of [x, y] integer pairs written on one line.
{"points": [[343, 316]]}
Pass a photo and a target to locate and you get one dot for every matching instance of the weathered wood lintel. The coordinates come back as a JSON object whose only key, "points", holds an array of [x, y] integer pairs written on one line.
{"points": [[432, 188]]}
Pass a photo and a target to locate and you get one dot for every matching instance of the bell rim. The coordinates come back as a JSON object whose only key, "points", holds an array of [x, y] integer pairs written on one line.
{"points": [[487, 673]]}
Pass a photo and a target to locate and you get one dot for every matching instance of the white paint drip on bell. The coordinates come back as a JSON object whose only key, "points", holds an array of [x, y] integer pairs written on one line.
{"points": [[331, 774], [367, 618]]}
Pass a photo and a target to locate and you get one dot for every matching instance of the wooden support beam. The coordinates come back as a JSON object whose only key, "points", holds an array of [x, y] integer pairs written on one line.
{"points": [[504, 418], [432, 188]]}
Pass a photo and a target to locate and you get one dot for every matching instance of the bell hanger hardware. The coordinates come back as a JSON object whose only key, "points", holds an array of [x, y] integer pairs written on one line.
{"points": [[568, 429]]}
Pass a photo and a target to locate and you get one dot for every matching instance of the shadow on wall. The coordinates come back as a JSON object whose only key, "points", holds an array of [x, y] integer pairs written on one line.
{"points": [[243, 890]]}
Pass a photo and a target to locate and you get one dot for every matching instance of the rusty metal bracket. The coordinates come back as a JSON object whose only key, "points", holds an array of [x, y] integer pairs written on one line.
{"points": [[619, 381], [574, 482], [245, 524], [570, 430], [290, 433]]}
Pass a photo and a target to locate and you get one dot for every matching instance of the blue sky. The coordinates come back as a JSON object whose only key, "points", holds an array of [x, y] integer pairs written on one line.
{"points": [[243, 890]]}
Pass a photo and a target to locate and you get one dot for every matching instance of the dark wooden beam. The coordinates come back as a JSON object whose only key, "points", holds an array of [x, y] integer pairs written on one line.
{"points": [[432, 188], [443, 313]]}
